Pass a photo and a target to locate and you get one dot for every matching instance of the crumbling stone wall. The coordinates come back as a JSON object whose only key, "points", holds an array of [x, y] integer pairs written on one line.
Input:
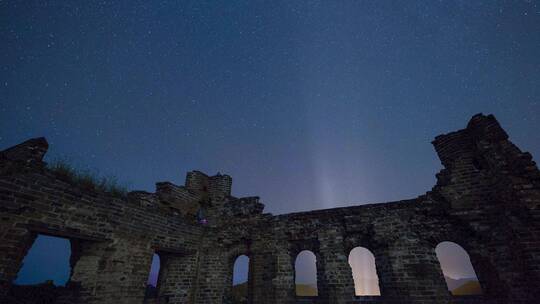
{"points": [[487, 199], [113, 238]]}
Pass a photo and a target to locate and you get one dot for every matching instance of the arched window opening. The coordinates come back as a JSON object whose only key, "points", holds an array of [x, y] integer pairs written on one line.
{"points": [[457, 269], [240, 279], [305, 269], [47, 261], [151, 284], [366, 281]]}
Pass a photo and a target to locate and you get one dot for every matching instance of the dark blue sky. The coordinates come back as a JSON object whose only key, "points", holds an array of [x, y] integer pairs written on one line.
{"points": [[308, 104]]}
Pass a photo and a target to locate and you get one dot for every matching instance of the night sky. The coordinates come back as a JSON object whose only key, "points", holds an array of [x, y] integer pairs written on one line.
{"points": [[309, 105]]}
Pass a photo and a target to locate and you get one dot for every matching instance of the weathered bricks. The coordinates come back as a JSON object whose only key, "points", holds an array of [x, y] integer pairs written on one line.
{"points": [[487, 199]]}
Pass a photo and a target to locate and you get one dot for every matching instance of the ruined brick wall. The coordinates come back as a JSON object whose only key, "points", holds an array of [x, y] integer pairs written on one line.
{"points": [[487, 199], [114, 238]]}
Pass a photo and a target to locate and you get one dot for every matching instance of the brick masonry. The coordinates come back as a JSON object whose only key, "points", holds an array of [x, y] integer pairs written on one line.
{"points": [[487, 199]]}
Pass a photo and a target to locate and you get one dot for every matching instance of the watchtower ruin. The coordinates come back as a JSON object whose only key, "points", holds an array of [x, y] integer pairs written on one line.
{"points": [[486, 199]]}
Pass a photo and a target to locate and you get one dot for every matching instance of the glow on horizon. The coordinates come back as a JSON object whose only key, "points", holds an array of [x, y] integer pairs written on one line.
{"points": [[455, 261], [305, 268], [366, 281]]}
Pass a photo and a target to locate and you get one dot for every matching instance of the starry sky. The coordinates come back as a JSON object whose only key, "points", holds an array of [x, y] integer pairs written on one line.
{"points": [[309, 105]]}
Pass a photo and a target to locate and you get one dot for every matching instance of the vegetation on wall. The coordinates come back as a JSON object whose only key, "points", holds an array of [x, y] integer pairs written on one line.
{"points": [[87, 179]]}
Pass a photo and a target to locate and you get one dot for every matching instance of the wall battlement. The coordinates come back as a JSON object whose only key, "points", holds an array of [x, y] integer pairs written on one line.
{"points": [[487, 199]]}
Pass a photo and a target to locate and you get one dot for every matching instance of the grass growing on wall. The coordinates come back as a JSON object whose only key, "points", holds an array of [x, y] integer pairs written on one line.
{"points": [[86, 178]]}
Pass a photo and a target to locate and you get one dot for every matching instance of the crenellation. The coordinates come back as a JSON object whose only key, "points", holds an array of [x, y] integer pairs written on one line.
{"points": [[197, 181], [178, 198]]}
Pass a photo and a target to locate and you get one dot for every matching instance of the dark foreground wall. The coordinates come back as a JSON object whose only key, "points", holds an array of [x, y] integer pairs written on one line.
{"points": [[487, 199]]}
